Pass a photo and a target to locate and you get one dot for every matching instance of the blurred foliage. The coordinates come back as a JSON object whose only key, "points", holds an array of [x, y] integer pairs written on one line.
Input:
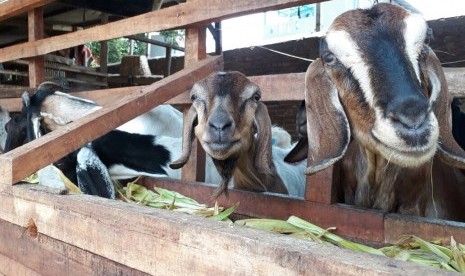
{"points": [[119, 47]]}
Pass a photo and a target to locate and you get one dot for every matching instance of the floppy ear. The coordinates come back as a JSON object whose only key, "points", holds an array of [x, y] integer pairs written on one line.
{"points": [[187, 137], [299, 152], [448, 149], [328, 129], [50, 86], [263, 155], [26, 99]]}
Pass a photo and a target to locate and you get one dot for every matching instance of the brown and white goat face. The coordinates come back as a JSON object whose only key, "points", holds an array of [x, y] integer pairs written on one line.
{"points": [[225, 116], [225, 104], [378, 80]]}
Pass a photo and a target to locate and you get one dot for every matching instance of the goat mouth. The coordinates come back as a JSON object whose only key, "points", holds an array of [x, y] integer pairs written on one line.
{"points": [[216, 149], [411, 157]]}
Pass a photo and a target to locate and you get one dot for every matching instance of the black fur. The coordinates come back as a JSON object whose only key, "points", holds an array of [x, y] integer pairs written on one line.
{"points": [[135, 151]]}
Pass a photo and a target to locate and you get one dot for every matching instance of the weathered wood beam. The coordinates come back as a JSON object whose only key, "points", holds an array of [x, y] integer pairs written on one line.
{"points": [[35, 22], [396, 225], [194, 169], [17, 164], [36, 254], [281, 87], [161, 242], [12, 8], [455, 81], [368, 226], [194, 12]]}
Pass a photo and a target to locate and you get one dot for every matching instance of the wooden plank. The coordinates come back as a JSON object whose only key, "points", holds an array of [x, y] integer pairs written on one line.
{"points": [[36, 32], [455, 81], [162, 242], [17, 164], [396, 225], [12, 8], [48, 256], [368, 225], [194, 169], [9, 266], [319, 187], [194, 12], [279, 87]]}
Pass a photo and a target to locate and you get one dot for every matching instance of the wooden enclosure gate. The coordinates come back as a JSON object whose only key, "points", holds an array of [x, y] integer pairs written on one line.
{"points": [[121, 233]]}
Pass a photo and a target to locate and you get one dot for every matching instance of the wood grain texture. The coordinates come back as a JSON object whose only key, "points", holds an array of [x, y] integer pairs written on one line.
{"points": [[35, 23], [431, 229], [194, 169], [194, 12], [161, 242], [47, 256], [17, 163], [455, 81], [12, 8], [368, 225]]}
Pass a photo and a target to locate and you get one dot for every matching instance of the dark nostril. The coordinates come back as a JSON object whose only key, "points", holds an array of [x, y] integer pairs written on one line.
{"points": [[221, 126], [410, 120], [410, 112]]}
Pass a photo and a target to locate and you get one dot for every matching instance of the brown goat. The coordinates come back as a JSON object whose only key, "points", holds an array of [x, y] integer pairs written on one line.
{"points": [[377, 100], [225, 115]]}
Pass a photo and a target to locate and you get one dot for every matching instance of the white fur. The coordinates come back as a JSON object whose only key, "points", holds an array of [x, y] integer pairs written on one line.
{"points": [[161, 120], [4, 118], [414, 35], [346, 50]]}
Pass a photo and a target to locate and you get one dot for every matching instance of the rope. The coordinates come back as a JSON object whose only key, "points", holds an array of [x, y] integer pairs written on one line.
{"points": [[310, 60], [281, 53]]}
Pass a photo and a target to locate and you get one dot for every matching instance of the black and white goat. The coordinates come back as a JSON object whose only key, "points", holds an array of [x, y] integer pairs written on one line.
{"points": [[124, 154], [234, 129], [377, 102]]}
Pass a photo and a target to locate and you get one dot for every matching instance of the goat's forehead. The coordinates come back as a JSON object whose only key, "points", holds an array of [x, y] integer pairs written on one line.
{"points": [[383, 22], [233, 84]]}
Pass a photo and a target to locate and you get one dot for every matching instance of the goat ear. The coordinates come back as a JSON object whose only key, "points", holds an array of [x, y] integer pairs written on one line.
{"points": [[448, 149], [187, 137], [50, 86], [328, 129], [26, 99], [299, 152], [262, 122]]}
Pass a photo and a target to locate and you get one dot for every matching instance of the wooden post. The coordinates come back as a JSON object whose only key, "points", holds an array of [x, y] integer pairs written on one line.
{"points": [[194, 169], [36, 32], [104, 49], [168, 61]]}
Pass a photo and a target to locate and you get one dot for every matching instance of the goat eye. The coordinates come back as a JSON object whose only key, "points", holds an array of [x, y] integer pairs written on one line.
{"points": [[193, 97], [256, 97], [329, 58]]}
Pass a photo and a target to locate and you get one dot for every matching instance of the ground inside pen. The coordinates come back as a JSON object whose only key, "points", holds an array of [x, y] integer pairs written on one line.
{"points": [[409, 248]]}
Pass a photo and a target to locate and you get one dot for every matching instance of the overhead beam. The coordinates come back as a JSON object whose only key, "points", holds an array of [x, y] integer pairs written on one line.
{"points": [[193, 12], [12, 8]]}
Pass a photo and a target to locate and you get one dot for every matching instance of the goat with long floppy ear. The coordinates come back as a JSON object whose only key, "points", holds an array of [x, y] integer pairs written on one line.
{"points": [[332, 91], [377, 100], [225, 116]]}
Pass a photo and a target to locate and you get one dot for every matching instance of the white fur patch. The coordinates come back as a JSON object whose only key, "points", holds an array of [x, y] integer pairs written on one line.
{"points": [[414, 36], [74, 98], [347, 52]]}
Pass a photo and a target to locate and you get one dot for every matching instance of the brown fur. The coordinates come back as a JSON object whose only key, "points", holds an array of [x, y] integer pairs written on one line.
{"points": [[248, 160], [432, 188]]}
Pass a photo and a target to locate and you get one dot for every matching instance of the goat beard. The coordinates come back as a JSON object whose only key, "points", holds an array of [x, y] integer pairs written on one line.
{"points": [[226, 170]]}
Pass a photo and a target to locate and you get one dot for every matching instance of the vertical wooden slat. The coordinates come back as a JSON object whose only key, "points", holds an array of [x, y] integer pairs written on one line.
{"points": [[194, 169], [168, 61], [36, 32], [104, 49], [319, 187]]}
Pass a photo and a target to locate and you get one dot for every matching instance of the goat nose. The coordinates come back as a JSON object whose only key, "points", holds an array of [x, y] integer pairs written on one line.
{"points": [[220, 125], [410, 112]]}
